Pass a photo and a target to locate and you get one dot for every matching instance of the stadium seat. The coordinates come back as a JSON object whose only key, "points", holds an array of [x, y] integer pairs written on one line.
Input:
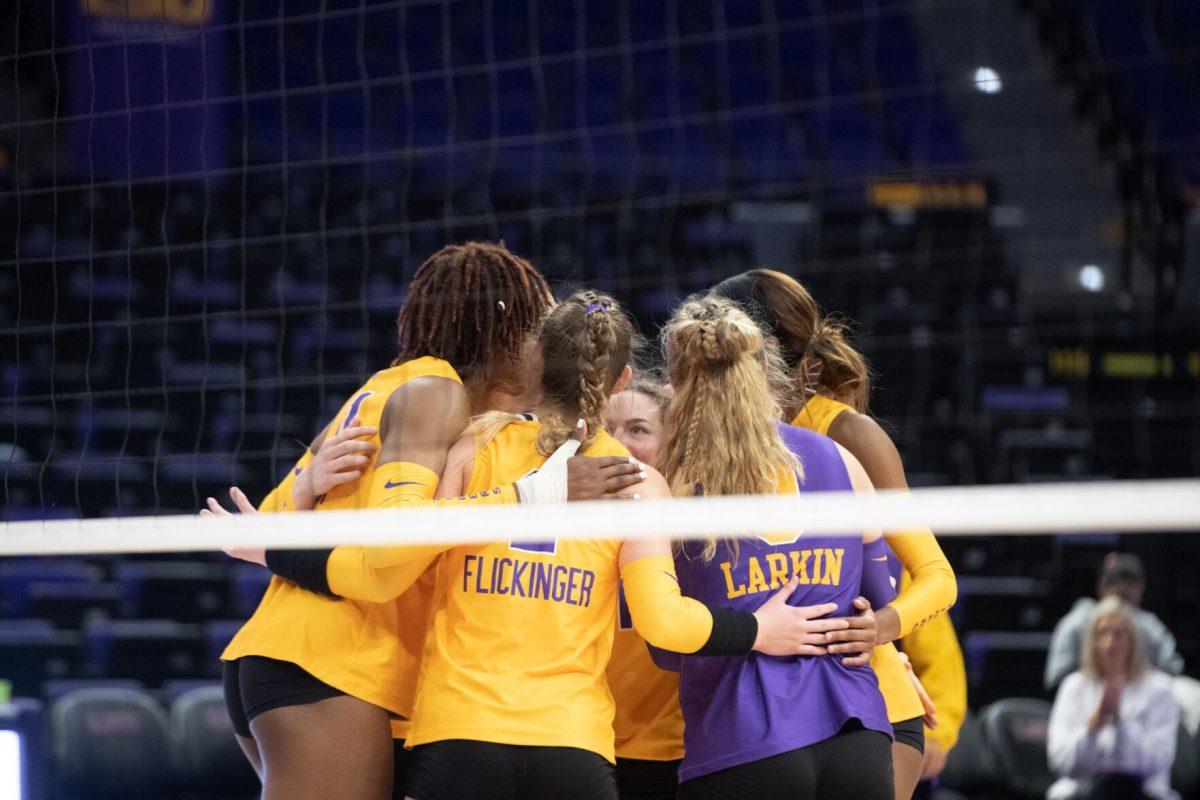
{"points": [[970, 768], [31, 654], [152, 651], [186, 591], [8, 626], [109, 744], [996, 603], [70, 605], [1185, 772], [942, 793], [1003, 663], [1015, 731], [17, 575], [207, 755], [52, 690]]}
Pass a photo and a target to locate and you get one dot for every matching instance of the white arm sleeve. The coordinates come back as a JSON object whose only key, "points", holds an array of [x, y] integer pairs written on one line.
{"points": [[548, 483]]}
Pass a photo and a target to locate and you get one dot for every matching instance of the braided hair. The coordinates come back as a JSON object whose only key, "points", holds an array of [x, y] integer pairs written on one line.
{"points": [[586, 343], [468, 304], [722, 435]]}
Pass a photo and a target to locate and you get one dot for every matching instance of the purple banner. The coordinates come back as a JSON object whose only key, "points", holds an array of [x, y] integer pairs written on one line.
{"points": [[146, 79]]}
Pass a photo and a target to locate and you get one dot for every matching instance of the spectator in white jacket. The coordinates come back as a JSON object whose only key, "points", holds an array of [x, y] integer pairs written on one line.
{"points": [[1121, 575], [1113, 727]]}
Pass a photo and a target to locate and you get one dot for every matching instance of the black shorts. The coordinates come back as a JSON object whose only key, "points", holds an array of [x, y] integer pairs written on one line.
{"points": [[462, 769], [911, 732], [402, 761], [855, 763], [638, 779], [254, 684]]}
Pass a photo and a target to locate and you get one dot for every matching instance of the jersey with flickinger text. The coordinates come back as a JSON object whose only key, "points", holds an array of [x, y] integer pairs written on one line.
{"points": [[521, 633]]}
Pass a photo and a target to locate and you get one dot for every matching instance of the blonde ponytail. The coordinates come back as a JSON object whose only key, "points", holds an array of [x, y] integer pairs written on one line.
{"points": [[722, 435]]}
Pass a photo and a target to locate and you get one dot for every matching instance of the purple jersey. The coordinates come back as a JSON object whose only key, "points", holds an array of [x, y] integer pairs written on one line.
{"points": [[739, 709]]}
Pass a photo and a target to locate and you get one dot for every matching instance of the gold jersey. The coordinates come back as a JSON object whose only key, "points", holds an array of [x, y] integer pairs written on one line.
{"points": [[520, 634], [648, 722], [367, 650], [903, 702]]}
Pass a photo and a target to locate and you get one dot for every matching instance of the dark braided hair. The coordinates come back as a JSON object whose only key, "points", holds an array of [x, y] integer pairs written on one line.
{"points": [[469, 303]]}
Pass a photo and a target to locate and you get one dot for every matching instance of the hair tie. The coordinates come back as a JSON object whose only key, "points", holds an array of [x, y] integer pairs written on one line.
{"points": [[595, 307], [501, 304]]}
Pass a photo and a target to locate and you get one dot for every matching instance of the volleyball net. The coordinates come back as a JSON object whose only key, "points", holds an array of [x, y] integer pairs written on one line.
{"points": [[1065, 508], [210, 212], [216, 207]]}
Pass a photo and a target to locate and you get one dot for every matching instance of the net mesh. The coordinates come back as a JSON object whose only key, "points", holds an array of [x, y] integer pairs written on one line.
{"points": [[211, 211]]}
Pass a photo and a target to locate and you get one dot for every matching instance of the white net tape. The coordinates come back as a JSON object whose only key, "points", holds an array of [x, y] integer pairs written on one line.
{"points": [[1160, 506]]}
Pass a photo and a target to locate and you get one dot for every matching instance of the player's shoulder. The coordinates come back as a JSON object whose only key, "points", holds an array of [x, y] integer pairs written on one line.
{"points": [[605, 444], [428, 390], [421, 400], [851, 429], [655, 485], [426, 367], [866, 439]]}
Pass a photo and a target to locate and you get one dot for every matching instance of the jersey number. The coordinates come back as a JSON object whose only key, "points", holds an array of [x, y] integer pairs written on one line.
{"points": [[624, 618], [354, 406], [535, 547]]}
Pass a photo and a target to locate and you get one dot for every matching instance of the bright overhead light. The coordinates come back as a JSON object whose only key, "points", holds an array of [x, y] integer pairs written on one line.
{"points": [[1091, 278], [987, 80]]}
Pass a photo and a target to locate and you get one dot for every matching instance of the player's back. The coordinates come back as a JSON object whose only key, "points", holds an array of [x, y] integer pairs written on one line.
{"points": [[368, 650], [521, 633], [799, 700]]}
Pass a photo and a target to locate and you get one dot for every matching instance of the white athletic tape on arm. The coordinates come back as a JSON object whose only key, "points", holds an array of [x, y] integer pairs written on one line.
{"points": [[548, 483], [1168, 505]]}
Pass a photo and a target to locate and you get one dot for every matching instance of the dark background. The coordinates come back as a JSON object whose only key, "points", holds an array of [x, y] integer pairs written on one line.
{"points": [[207, 223]]}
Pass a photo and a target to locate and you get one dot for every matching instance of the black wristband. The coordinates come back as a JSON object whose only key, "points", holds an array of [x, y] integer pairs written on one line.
{"points": [[306, 568], [733, 633]]}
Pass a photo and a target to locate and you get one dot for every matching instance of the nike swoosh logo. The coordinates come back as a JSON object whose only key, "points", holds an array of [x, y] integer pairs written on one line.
{"points": [[390, 485], [883, 558]]}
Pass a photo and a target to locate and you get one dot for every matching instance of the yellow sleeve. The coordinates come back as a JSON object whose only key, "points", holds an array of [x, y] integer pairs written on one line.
{"points": [[664, 617], [280, 498], [352, 575], [937, 660], [400, 484], [933, 589], [380, 574]]}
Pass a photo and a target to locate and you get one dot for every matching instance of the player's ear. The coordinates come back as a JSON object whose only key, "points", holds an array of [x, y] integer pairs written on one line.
{"points": [[623, 380]]}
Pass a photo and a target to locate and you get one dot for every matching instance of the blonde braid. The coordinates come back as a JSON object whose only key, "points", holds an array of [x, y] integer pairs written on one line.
{"points": [[722, 433]]}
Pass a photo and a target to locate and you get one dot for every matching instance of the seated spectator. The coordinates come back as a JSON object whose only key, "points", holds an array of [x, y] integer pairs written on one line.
{"points": [[1113, 726], [1123, 576]]}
